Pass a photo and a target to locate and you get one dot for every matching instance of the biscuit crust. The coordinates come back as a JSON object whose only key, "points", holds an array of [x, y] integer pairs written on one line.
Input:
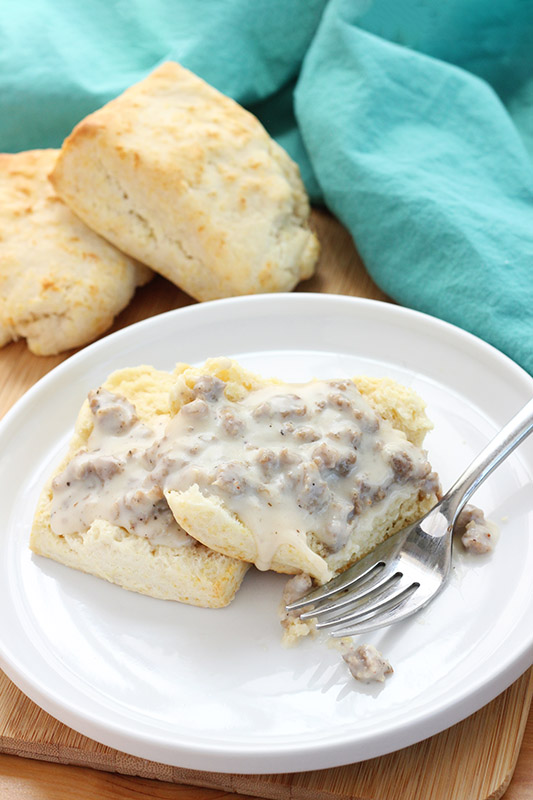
{"points": [[187, 181], [61, 284]]}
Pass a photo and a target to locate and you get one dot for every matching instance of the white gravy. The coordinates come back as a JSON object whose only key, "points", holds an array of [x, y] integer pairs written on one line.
{"points": [[288, 460]]}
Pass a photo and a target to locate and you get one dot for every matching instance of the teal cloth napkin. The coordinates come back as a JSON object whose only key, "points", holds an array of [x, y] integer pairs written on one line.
{"points": [[412, 121]]}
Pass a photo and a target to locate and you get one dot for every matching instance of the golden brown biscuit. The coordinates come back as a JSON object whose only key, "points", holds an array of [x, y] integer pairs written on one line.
{"points": [[170, 565], [61, 284], [185, 180]]}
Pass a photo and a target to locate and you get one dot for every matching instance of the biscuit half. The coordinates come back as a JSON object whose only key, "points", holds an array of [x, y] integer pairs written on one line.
{"points": [[209, 519], [190, 574], [187, 181], [61, 284]]}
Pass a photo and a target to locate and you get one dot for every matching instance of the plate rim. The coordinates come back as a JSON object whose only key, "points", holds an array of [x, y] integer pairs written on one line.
{"points": [[130, 743]]}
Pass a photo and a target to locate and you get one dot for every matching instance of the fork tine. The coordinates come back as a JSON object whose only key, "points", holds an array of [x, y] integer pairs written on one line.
{"points": [[370, 567], [417, 600], [372, 609], [376, 588], [401, 611], [349, 578]]}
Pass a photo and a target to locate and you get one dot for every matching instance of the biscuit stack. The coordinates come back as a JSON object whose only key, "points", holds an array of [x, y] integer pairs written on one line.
{"points": [[171, 176]]}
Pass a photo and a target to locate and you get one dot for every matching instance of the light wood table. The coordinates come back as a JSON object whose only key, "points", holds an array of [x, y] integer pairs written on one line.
{"points": [[341, 272]]}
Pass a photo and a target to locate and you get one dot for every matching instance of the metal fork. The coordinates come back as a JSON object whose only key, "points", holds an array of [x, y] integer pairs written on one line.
{"points": [[404, 573]]}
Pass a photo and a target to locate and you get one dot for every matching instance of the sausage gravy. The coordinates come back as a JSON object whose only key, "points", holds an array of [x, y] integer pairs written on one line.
{"points": [[289, 460]]}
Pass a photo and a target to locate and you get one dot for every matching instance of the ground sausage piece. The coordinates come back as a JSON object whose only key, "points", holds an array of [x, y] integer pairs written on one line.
{"points": [[313, 493], [339, 400], [295, 588], [402, 466], [367, 664], [347, 435], [209, 388], [229, 477], [145, 512], [340, 384], [304, 434], [196, 408], [325, 456], [431, 485], [477, 533], [89, 466], [138, 506], [271, 462], [281, 406], [268, 461], [286, 457], [165, 464], [231, 424], [345, 463], [336, 531], [115, 415], [369, 422], [364, 496]]}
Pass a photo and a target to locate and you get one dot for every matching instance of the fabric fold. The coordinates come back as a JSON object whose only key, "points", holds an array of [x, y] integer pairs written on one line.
{"points": [[419, 159], [412, 121]]}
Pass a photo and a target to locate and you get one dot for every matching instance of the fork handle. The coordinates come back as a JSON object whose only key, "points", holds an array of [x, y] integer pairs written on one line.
{"points": [[511, 435]]}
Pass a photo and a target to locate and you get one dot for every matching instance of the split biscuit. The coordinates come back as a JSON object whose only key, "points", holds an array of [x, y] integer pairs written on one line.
{"points": [[186, 571], [61, 284], [187, 181], [175, 482], [241, 496]]}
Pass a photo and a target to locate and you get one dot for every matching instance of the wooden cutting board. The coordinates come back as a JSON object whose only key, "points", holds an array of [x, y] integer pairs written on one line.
{"points": [[473, 760]]}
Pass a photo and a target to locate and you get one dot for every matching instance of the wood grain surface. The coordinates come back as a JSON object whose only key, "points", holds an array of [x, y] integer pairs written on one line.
{"points": [[474, 760]]}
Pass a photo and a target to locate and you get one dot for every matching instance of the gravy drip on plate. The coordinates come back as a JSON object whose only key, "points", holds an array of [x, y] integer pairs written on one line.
{"points": [[288, 460]]}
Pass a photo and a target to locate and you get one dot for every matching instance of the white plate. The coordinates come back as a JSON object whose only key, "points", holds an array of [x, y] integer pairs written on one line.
{"points": [[215, 689]]}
